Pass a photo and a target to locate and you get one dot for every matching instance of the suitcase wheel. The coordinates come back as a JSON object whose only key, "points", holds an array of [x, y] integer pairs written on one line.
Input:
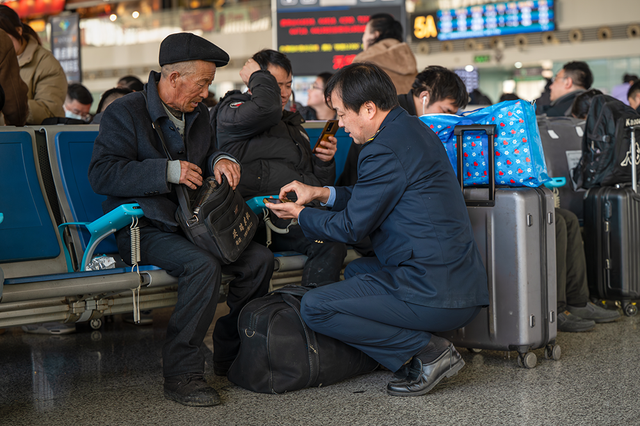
{"points": [[630, 309], [528, 360], [552, 352], [474, 350]]}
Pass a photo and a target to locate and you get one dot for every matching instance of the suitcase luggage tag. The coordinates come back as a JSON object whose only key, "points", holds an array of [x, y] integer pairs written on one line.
{"points": [[490, 130]]}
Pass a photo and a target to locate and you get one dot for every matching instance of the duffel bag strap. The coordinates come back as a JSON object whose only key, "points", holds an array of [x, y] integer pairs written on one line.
{"points": [[310, 336]]}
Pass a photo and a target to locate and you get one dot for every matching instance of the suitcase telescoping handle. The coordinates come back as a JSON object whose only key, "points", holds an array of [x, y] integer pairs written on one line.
{"points": [[490, 130], [634, 176]]}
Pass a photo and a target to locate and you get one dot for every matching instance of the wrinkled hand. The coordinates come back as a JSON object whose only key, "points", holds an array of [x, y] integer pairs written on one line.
{"points": [[249, 68], [190, 174], [230, 169], [327, 149]]}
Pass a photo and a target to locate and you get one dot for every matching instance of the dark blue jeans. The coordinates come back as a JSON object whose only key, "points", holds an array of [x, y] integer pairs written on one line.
{"points": [[363, 314], [199, 275]]}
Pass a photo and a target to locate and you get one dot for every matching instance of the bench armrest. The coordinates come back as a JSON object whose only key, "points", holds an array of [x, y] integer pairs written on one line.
{"points": [[100, 229]]}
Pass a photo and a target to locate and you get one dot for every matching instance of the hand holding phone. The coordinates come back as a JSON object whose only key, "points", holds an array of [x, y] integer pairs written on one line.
{"points": [[272, 201], [330, 129]]}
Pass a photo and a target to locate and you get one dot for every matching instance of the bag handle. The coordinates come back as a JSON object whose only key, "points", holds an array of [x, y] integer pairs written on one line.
{"points": [[490, 130]]}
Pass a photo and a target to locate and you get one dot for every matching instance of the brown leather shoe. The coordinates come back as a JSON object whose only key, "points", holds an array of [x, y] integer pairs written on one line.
{"points": [[422, 377], [190, 389]]}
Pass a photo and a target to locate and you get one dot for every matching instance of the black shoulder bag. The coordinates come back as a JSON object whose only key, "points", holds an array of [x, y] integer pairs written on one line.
{"points": [[220, 221]]}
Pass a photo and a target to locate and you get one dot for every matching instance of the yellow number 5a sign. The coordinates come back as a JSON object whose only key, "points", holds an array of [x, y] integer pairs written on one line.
{"points": [[424, 27]]}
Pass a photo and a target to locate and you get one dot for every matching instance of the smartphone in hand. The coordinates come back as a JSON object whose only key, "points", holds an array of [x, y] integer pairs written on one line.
{"points": [[271, 200], [330, 129]]}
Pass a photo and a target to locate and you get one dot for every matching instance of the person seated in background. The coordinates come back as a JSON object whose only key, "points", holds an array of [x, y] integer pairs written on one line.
{"points": [[317, 108], [274, 149], [78, 102], [131, 82], [435, 90], [427, 275], [476, 97], [106, 99], [582, 103], [39, 69], [634, 96], [573, 79], [621, 90], [383, 44], [210, 101], [15, 108], [508, 97]]}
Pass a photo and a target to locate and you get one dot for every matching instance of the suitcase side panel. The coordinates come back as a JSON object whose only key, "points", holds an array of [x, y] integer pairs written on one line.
{"points": [[560, 135], [622, 212], [516, 239]]}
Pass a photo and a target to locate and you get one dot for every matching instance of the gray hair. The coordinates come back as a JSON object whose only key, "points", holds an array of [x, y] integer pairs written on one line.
{"points": [[183, 68]]}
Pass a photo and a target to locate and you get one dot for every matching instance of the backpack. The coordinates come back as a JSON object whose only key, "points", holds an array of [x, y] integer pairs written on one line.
{"points": [[606, 144], [279, 353]]}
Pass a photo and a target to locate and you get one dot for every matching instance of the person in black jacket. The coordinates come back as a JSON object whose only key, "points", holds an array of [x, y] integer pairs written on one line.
{"points": [[274, 150], [573, 79]]}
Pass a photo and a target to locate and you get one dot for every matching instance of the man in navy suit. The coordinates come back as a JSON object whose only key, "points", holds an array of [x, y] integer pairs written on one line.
{"points": [[427, 275]]}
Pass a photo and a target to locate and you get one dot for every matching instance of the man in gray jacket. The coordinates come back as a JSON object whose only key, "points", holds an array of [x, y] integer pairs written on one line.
{"points": [[129, 164]]}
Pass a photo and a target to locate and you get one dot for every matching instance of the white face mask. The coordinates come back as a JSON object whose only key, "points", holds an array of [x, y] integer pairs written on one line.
{"points": [[69, 114]]}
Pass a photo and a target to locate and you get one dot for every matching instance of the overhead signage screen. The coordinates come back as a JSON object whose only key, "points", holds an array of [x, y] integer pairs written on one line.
{"points": [[325, 35], [486, 20]]}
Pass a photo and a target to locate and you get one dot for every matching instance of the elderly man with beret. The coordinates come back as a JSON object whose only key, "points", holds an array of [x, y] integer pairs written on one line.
{"points": [[129, 164]]}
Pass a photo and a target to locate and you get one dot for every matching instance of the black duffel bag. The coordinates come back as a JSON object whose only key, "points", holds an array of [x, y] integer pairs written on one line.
{"points": [[279, 353]]}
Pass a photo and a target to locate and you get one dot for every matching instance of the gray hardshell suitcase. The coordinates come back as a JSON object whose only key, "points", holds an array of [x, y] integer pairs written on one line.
{"points": [[515, 232], [562, 143], [612, 239]]}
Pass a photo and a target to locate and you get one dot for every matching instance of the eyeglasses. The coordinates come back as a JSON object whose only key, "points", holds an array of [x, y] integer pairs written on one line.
{"points": [[314, 86]]}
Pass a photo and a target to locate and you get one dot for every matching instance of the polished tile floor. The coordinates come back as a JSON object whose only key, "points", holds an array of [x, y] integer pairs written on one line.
{"points": [[113, 377]]}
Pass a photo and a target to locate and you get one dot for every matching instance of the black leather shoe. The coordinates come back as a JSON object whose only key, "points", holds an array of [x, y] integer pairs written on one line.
{"points": [[423, 377], [190, 389]]}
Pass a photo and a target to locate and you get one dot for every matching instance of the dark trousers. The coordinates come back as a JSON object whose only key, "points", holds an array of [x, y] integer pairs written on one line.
{"points": [[571, 266], [362, 313], [324, 259], [199, 277]]}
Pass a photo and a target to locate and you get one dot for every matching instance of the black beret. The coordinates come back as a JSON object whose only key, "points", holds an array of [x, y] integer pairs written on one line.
{"points": [[182, 47]]}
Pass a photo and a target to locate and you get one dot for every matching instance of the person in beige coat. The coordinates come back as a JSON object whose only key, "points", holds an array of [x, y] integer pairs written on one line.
{"points": [[15, 109], [39, 69], [383, 45]]}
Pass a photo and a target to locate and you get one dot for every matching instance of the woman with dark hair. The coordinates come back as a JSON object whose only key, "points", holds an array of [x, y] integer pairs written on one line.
{"points": [[383, 45], [41, 71], [582, 103], [317, 108]]}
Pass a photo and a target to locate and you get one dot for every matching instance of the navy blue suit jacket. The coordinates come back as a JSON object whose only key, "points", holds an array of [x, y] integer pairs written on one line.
{"points": [[408, 200]]}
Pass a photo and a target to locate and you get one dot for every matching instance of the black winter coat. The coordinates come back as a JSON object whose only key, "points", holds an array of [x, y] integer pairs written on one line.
{"points": [[271, 145], [129, 164]]}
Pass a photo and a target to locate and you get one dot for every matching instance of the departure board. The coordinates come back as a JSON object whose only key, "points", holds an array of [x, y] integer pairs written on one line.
{"points": [[486, 20], [325, 35]]}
